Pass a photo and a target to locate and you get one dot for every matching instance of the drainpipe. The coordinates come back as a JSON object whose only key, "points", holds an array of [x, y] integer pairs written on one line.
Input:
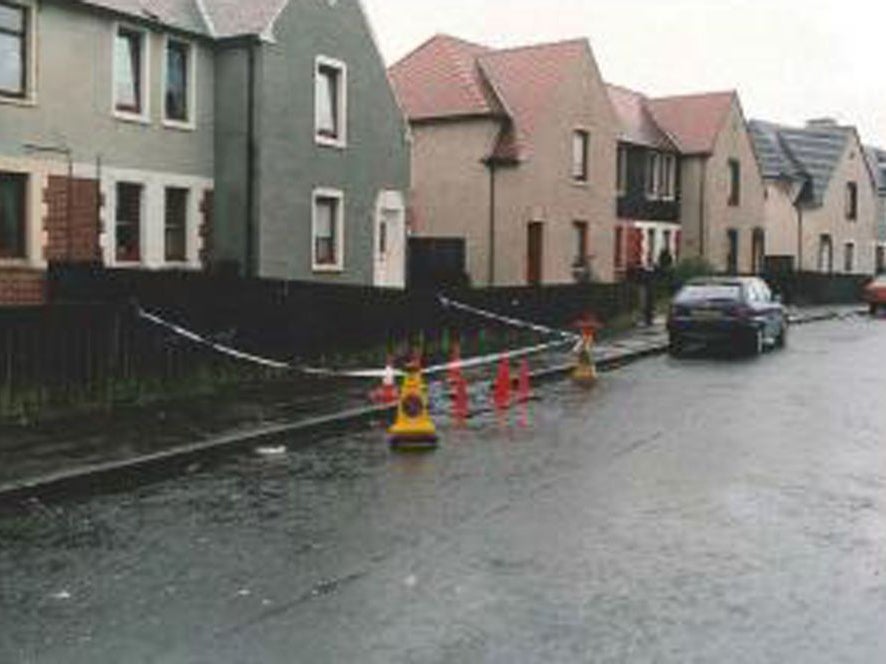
{"points": [[799, 238], [490, 164], [250, 266], [701, 207]]}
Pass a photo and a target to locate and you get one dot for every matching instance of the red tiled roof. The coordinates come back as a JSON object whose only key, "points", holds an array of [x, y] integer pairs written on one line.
{"points": [[441, 79], [446, 77], [637, 124], [693, 121], [526, 80]]}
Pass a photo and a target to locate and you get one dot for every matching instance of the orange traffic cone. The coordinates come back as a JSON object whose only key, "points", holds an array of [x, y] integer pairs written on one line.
{"points": [[524, 387], [455, 373], [460, 402], [386, 393], [501, 392]]}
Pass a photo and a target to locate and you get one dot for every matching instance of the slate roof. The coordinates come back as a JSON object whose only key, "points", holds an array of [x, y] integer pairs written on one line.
{"points": [[449, 78], [809, 153], [877, 162], [211, 18], [693, 121], [637, 125]]}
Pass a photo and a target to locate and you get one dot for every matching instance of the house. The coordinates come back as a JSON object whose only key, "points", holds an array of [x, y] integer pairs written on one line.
{"points": [[721, 189], [175, 134], [647, 186], [821, 198], [877, 164], [513, 155]]}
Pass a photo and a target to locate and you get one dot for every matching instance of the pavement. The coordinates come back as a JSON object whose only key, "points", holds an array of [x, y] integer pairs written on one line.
{"points": [[93, 449], [698, 510]]}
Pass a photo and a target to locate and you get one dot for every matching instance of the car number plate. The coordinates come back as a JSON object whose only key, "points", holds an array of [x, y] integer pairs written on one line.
{"points": [[707, 314]]}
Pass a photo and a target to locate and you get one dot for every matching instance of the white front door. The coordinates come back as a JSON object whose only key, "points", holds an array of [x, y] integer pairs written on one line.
{"points": [[390, 241]]}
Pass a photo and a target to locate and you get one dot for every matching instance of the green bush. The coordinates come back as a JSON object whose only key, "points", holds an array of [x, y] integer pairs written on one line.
{"points": [[689, 268]]}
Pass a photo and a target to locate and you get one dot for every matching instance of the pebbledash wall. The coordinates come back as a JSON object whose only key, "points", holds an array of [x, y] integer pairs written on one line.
{"points": [[68, 112], [368, 168]]}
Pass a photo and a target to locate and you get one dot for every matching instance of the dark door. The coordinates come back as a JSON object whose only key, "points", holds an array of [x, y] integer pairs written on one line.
{"points": [[535, 250]]}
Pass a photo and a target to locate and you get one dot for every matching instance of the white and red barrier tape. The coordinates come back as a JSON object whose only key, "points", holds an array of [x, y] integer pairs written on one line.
{"points": [[566, 338]]}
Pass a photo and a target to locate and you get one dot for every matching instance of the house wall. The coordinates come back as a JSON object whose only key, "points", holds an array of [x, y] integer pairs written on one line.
{"points": [[542, 188], [733, 142], [70, 106], [781, 219], [831, 219], [451, 186], [692, 197], [291, 165]]}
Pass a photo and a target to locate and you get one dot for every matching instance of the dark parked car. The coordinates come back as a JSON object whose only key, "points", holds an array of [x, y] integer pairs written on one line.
{"points": [[738, 312]]}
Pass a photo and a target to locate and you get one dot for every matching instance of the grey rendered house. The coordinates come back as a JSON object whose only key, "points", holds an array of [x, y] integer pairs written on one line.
{"points": [[171, 134], [877, 164], [821, 196]]}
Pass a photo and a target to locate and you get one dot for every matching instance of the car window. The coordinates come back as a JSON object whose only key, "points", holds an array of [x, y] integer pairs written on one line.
{"points": [[709, 292]]}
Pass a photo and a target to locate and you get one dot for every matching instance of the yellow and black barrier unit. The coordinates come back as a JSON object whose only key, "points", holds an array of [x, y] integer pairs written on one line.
{"points": [[585, 372], [413, 430]]}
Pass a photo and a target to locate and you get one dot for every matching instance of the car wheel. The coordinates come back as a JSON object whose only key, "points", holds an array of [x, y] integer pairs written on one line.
{"points": [[676, 346]]}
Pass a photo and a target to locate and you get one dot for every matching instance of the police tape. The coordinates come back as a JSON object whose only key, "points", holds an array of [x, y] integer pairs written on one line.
{"points": [[506, 320], [468, 363]]}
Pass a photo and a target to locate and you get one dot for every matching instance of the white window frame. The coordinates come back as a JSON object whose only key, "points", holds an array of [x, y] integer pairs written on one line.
{"points": [[339, 265], [341, 141], [190, 124], [189, 223], [668, 184], [145, 116], [30, 94], [583, 133], [621, 166], [653, 169], [143, 221]]}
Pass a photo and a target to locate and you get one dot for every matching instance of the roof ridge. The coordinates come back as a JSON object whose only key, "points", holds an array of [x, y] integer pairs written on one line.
{"points": [[207, 19], [624, 88], [539, 45], [697, 95]]}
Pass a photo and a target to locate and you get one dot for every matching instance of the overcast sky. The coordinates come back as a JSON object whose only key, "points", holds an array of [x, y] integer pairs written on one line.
{"points": [[789, 59]]}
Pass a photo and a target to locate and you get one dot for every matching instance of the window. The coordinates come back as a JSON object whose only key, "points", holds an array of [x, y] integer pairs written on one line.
{"points": [[13, 210], [13, 50], [667, 185], [652, 177], [619, 246], [851, 201], [177, 104], [650, 247], [128, 71], [580, 143], [734, 182], [825, 254], [581, 242], [330, 99], [327, 230], [128, 222], [622, 171], [849, 258], [176, 223], [732, 251]]}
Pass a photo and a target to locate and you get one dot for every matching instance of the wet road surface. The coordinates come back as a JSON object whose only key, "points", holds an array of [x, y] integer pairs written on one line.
{"points": [[685, 511]]}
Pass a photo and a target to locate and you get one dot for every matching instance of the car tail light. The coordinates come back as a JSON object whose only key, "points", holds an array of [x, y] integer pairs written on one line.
{"points": [[741, 311]]}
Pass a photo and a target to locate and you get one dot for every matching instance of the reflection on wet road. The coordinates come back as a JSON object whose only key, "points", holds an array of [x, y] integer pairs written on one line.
{"points": [[701, 510]]}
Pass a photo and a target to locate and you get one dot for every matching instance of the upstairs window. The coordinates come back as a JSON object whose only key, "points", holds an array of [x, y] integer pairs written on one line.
{"points": [[734, 182], [580, 144], [622, 171], [330, 102], [178, 81], [667, 186], [129, 61], [849, 258], [13, 197], [13, 50], [851, 201], [653, 160]]}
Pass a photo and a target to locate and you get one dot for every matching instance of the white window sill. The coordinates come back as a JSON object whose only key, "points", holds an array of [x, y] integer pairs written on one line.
{"points": [[132, 118], [25, 102], [329, 269], [179, 125], [16, 263], [584, 184], [326, 142], [127, 265]]}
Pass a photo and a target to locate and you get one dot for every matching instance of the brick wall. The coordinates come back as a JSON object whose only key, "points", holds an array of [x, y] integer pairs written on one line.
{"points": [[82, 245], [22, 287], [206, 209]]}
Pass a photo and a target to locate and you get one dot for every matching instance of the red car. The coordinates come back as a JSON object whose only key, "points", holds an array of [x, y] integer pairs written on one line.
{"points": [[875, 294]]}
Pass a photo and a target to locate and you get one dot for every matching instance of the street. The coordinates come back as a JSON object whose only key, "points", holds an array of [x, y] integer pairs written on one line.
{"points": [[699, 510]]}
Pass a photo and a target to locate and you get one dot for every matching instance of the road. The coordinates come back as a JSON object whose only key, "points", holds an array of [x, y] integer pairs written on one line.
{"points": [[703, 510]]}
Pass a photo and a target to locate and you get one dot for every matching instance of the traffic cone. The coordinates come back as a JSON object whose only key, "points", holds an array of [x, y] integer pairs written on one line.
{"points": [[585, 372], [455, 374], [386, 393], [524, 387], [460, 402], [502, 387], [413, 430]]}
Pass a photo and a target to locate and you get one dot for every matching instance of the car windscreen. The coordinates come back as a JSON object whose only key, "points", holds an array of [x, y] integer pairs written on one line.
{"points": [[694, 293]]}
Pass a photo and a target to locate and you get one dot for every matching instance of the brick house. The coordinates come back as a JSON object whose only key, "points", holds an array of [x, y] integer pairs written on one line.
{"points": [[177, 133], [513, 154]]}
